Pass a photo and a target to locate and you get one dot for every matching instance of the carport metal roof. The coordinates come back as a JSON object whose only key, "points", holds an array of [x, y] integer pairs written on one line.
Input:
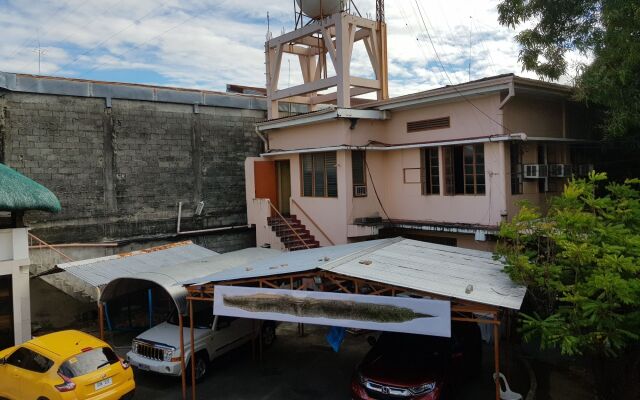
{"points": [[444, 271], [165, 266]]}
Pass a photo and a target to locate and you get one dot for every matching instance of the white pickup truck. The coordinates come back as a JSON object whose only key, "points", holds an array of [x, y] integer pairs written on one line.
{"points": [[158, 349]]}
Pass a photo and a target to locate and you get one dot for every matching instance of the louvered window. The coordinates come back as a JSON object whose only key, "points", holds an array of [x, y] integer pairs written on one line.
{"points": [[319, 175], [428, 124]]}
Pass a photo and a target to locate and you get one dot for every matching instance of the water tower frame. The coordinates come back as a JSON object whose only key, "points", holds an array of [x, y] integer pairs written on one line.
{"points": [[333, 36]]}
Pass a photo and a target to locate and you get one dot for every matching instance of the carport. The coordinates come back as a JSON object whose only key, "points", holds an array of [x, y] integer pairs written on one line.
{"points": [[472, 281], [163, 267]]}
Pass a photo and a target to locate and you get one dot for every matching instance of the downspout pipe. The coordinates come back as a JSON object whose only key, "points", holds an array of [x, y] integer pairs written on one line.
{"points": [[264, 139]]}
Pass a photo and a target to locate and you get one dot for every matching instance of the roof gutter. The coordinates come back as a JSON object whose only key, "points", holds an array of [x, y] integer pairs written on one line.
{"points": [[485, 139]]}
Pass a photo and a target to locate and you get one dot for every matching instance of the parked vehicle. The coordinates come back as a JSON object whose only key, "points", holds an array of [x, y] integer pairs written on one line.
{"points": [[64, 365], [417, 367], [158, 349]]}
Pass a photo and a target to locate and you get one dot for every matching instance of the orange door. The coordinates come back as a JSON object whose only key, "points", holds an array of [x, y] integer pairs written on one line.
{"points": [[266, 181]]}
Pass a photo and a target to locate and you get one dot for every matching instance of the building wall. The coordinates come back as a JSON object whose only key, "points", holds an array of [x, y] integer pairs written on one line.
{"points": [[120, 172]]}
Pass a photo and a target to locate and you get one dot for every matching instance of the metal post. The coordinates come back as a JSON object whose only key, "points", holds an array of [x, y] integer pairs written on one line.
{"points": [[106, 315], [101, 320], [496, 357], [150, 296], [193, 356], [183, 367]]}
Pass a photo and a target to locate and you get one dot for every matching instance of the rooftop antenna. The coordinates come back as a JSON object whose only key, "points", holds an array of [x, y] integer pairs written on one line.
{"points": [[40, 54], [470, 28], [268, 26]]}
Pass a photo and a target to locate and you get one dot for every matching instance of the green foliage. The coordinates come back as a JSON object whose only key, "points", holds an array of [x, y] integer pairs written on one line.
{"points": [[607, 30], [581, 264]]}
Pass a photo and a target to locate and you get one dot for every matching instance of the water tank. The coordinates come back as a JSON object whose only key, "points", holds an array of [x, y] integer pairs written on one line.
{"points": [[316, 8]]}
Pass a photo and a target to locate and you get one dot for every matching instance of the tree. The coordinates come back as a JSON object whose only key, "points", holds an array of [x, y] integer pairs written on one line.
{"points": [[581, 264], [607, 30]]}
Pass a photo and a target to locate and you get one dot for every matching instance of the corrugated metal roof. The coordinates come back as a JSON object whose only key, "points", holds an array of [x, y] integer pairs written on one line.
{"points": [[438, 269], [287, 263], [441, 270], [100, 271], [165, 266]]}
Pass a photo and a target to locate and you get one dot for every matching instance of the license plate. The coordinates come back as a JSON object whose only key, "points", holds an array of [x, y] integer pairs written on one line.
{"points": [[104, 383], [143, 367]]}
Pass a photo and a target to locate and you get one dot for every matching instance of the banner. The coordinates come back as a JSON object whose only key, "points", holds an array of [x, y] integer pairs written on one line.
{"points": [[381, 313]]}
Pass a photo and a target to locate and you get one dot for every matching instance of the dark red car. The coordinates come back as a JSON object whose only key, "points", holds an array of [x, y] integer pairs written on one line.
{"points": [[417, 367]]}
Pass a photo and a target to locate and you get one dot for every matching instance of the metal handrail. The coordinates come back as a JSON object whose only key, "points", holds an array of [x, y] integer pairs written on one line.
{"points": [[313, 222], [47, 245], [288, 224]]}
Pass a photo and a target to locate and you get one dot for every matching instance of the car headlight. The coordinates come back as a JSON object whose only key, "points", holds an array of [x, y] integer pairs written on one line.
{"points": [[426, 388], [168, 354], [361, 378], [134, 347]]}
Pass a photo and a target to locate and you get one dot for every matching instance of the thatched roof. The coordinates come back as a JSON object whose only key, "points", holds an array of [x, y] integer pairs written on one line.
{"points": [[19, 193]]}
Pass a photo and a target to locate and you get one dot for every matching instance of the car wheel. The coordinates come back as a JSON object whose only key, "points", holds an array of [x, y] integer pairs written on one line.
{"points": [[268, 334], [201, 367]]}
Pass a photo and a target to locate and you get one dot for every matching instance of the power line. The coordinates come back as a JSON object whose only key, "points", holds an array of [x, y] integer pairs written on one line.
{"points": [[453, 86]]}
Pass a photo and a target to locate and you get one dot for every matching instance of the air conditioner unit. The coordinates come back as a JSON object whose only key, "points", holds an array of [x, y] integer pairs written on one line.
{"points": [[584, 169], [359, 190], [559, 170], [535, 171]]}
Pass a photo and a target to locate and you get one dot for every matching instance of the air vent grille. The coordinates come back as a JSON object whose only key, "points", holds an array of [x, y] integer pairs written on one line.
{"points": [[428, 124]]}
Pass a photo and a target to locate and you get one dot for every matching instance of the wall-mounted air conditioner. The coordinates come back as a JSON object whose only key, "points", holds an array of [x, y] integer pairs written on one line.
{"points": [[359, 190], [559, 170], [583, 170], [535, 171]]}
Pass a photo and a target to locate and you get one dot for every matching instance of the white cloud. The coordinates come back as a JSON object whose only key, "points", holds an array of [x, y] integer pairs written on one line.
{"points": [[207, 44]]}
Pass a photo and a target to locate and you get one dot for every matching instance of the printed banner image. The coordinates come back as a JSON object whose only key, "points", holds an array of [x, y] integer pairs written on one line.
{"points": [[383, 313]]}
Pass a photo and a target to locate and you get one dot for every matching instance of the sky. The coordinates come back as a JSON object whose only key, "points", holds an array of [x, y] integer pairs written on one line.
{"points": [[206, 44]]}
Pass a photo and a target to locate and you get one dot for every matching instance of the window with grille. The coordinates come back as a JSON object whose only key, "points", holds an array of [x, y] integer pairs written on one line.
{"points": [[464, 169], [515, 151], [428, 124], [319, 174], [430, 171], [358, 173]]}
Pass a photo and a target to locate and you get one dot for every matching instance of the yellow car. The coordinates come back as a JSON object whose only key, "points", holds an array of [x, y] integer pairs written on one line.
{"points": [[64, 365]]}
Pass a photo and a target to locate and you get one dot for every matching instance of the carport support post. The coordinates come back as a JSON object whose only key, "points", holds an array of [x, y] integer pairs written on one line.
{"points": [[183, 369], [496, 355], [193, 355], [101, 319]]}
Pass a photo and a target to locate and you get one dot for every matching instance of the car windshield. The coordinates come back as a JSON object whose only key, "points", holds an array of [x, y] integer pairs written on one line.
{"points": [[88, 361], [203, 317], [404, 344]]}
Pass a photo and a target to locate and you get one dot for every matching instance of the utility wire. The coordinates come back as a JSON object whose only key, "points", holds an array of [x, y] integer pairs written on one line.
{"points": [[453, 86]]}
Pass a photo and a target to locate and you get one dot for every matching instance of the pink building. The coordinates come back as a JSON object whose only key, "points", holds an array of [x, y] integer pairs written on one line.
{"points": [[445, 165]]}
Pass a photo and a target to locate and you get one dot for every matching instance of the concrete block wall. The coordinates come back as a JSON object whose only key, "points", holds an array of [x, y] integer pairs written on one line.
{"points": [[120, 171]]}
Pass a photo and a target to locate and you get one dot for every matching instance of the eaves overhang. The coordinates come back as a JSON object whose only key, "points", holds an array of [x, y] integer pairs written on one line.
{"points": [[325, 115]]}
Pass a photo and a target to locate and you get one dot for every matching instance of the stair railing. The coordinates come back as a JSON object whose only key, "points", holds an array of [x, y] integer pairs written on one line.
{"points": [[47, 245], [313, 222], [288, 224]]}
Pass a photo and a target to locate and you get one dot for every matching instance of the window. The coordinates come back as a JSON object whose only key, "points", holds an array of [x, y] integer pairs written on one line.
{"points": [[515, 151], [358, 173], [319, 175], [428, 124], [430, 171], [464, 169], [29, 360], [88, 361]]}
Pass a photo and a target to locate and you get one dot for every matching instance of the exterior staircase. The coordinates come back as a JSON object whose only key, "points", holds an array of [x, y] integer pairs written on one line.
{"points": [[292, 233]]}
